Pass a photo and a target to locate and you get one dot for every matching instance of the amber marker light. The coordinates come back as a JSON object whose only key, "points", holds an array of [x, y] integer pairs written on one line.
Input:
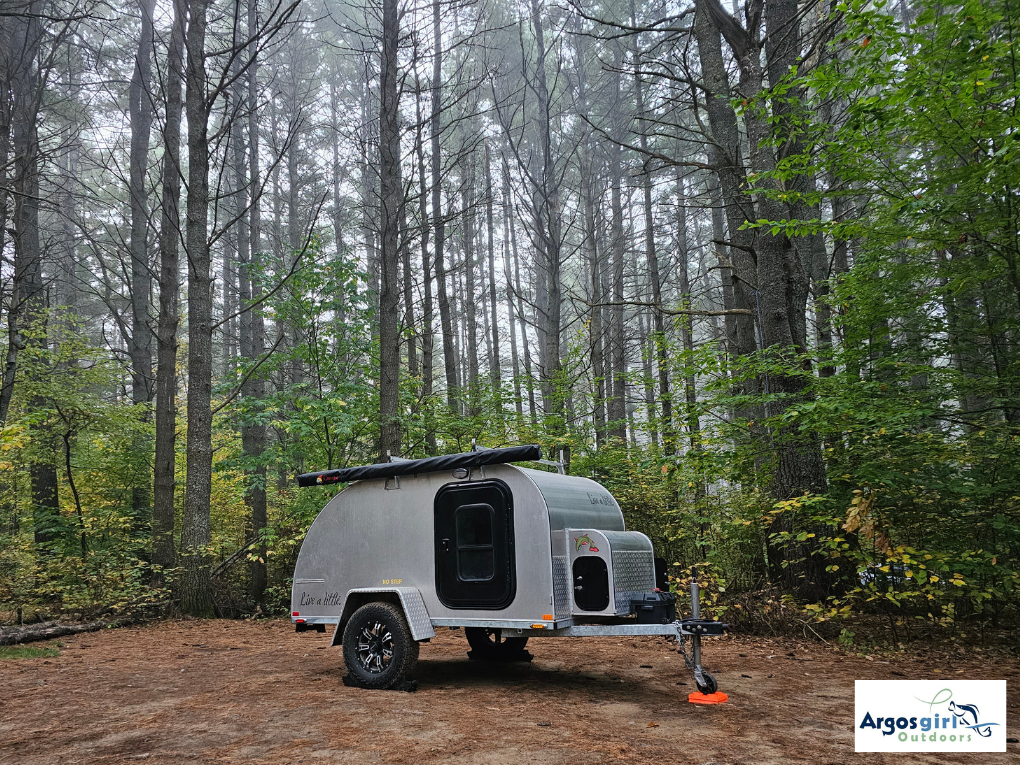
{"points": [[547, 617], [538, 626]]}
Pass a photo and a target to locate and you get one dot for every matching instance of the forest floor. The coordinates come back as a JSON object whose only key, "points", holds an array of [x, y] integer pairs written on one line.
{"points": [[257, 692]]}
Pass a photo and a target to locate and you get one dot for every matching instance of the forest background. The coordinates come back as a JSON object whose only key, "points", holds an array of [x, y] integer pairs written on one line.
{"points": [[754, 267]]}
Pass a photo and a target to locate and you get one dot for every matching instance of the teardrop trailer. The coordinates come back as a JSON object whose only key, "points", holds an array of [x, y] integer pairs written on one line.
{"points": [[471, 541]]}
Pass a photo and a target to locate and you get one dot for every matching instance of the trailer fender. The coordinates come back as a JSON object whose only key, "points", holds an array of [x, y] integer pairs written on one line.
{"points": [[407, 598]]}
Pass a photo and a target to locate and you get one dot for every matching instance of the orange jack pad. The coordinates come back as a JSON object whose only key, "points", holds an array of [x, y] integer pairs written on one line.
{"points": [[711, 698]]}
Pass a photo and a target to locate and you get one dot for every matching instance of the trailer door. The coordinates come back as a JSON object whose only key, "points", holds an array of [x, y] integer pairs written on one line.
{"points": [[475, 562]]}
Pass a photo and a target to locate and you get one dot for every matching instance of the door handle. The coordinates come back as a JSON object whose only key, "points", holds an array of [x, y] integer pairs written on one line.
{"points": [[444, 545]]}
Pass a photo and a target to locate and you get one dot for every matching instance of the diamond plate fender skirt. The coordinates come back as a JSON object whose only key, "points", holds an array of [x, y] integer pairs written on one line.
{"points": [[410, 601]]}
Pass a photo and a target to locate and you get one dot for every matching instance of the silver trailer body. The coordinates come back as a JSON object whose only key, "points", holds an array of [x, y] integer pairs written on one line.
{"points": [[470, 540], [491, 546]]}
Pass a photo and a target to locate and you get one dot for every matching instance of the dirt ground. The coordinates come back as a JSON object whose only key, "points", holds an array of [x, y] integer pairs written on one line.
{"points": [[243, 692]]}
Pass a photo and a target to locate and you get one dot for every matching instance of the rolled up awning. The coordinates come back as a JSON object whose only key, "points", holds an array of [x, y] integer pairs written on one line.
{"points": [[427, 465]]}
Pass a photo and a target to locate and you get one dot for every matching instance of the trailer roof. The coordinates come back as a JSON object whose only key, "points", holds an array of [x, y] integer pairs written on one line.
{"points": [[427, 465]]}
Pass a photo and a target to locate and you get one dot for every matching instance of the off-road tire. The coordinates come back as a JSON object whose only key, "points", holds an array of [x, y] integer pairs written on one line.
{"points": [[379, 651], [488, 644]]}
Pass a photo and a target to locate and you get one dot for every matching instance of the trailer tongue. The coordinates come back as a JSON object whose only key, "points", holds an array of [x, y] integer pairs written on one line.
{"points": [[469, 540]]}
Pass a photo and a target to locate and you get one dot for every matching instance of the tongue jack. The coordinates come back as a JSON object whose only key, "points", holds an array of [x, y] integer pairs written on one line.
{"points": [[708, 691]]}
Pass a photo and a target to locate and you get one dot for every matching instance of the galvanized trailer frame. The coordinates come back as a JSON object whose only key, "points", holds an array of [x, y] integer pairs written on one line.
{"points": [[397, 538]]}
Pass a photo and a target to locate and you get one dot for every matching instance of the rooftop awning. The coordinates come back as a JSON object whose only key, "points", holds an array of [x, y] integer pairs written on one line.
{"points": [[427, 465]]}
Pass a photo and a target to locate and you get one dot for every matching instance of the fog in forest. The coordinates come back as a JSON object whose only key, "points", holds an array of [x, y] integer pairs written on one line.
{"points": [[753, 266]]}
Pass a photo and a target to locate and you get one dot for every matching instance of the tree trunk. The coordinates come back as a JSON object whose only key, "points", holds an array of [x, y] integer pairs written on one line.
{"points": [[525, 340], [279, 256], [428, 309], [196, 584], [484, 292], [494, 367], [647, 346], [10, 358], [438, 217], [230, 279], [391, 206], [722, 253], [27, 317], [338, 217], [67, 291], [658, 336], [468, 246], [50, 630], [254, 435], [410, 325], [28, 298], [732, 179], [163, 507], [295, 227], [686, 322], [589, 245], [508, 276], [140, 349], [596, 332], [456, 306], [410, 328], [616, 404], [369, 190], [606, 291], [549, 237], [251, 337], [783, 283]]}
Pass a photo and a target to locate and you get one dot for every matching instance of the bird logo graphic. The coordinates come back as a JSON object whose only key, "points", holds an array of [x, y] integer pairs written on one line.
{"points": [[581, 541]]}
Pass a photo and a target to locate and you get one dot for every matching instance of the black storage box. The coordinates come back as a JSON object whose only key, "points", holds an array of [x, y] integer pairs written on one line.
{"points": [[655, 608]]}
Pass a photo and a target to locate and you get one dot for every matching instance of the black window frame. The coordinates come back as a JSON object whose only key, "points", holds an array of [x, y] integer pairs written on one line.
{"points": [[491, 546]]}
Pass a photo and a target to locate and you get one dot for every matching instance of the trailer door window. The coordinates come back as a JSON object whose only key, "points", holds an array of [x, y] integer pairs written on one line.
{"points": [[476, 555]]}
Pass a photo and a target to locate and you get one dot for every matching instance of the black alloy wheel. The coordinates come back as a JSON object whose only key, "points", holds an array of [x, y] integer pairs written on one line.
{"points": [[375, 647]]}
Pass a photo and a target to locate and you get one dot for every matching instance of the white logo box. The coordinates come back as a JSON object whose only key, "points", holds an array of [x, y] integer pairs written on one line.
{"points": [[930, 715]]}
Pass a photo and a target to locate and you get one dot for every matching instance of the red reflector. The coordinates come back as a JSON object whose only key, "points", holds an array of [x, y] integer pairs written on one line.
{"points": [[299, 621], [295, 613]]}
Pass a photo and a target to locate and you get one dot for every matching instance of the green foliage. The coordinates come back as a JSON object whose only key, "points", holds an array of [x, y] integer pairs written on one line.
{"points": [[322, 416], [920, 422], [95, 561], [28, 652]]}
